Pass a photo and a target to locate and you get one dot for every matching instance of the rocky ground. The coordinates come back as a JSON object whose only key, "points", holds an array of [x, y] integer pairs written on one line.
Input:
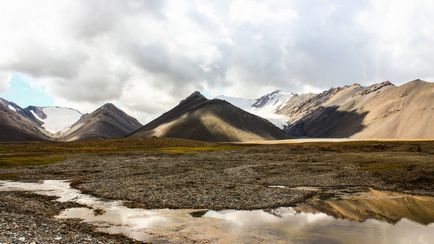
{"points": [[30, 218], [248, 177]]}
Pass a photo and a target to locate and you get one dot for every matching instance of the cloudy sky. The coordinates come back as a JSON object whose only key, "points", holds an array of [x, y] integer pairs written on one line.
{"points": [[145, 55]]}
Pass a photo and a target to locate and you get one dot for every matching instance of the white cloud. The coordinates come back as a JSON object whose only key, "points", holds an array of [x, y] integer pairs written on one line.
{"points": [[4, 80], [259, 12], [401, 37], [146, 55]]}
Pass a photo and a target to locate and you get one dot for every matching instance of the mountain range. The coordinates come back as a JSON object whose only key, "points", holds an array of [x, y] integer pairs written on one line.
{"points": [[62, 124], [380, 110]]}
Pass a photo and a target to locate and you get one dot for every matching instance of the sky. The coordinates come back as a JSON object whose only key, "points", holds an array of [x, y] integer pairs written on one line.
{"points": [[146, 55]]}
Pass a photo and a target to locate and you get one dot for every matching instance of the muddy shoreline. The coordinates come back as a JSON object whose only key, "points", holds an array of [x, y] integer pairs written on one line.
{"points": [[30, 218]]}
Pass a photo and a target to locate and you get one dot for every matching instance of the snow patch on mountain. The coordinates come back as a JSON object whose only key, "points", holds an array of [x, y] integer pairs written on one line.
{"points": [[265, 106], [278, 120], [11, 107], [35, 115], [273, 101], [57, 119], [244, 104]]}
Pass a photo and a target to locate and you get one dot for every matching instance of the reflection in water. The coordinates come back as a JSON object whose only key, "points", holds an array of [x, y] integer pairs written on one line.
{"points": [[381, 205], [186, 225]]}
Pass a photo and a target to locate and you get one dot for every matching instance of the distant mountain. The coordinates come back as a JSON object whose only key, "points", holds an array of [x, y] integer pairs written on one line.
{"points": [[15, 125], [53, 119], [265, 106], [198, 118], [107, 121], [379, 111], [62, 124]]}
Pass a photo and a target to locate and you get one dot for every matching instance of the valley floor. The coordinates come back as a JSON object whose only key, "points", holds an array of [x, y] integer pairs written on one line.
{"points": [[191, 175]]}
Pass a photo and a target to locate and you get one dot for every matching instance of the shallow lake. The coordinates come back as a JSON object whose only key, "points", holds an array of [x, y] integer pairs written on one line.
{"points": [[284, 225]]}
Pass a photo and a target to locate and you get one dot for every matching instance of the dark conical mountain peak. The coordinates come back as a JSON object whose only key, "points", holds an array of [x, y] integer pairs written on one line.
{"points": [[109, 106], [196, 94], [195, 97]]}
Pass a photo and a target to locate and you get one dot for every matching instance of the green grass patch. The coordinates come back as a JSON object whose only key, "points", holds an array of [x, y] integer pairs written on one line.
{"points": [[99, 146], [28, 160], [42, 153]]}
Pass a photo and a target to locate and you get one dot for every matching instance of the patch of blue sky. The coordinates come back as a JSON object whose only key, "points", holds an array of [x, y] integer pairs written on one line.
{"points": [[21, 92]]}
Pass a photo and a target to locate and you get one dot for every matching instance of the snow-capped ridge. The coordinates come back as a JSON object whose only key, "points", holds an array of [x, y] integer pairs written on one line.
{"points": [[265, 106], [55, 119]]}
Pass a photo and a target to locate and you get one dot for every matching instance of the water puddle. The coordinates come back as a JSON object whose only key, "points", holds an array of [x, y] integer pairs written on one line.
{"points": [[381, 205], [280, 187], [306, 188], [242, 226]]}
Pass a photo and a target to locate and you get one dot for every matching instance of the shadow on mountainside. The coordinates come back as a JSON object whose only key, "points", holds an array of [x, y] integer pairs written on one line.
{"points": [[199, 118], [218, 120], [328, 122]]}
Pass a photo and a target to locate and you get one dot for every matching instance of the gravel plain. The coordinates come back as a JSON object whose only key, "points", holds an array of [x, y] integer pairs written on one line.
{"points": [[248, 177]]}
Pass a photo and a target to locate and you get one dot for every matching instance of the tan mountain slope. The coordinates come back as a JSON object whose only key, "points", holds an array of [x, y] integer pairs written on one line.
{"points": [[406, 111], [378, 111], [198, 118]]}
